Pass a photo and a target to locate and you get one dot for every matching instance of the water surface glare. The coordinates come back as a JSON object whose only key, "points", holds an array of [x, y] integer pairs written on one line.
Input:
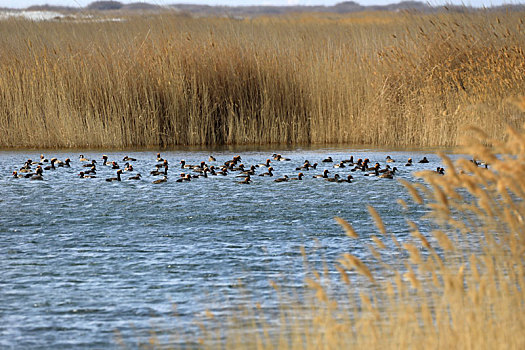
{"points": [[82, 258]]}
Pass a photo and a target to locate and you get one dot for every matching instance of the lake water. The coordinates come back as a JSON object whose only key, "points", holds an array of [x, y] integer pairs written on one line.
{"points": [[84, 258]]}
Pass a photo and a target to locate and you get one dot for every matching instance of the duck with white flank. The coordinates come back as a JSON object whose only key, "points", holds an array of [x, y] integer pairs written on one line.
{"points": [[323, 176]]}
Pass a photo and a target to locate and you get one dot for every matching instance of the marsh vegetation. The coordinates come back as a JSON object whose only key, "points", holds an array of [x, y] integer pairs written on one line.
{"points": [[376, 78]]}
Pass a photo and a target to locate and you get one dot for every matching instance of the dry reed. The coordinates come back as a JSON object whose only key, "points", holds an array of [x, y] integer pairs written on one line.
{"points": [[165, 80]]}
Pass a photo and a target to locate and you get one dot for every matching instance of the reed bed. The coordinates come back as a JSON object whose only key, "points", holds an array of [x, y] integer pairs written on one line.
{"points": [[458, 285], [390, 79]]}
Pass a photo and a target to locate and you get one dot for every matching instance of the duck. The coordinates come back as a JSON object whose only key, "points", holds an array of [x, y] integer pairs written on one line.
{"points": [[424, 160], [327, 160], [159, 181], [105, 160], [114, 165], [43, 159], [135, 177], [248, 172], [349, 161], [38, 174], [16, 175], [82, 158], [128, 167], [158, 172], [323, 176], [348, 179], [83, 175], [211, 159], [282, 179], [247, 180], [234, 161], [92, 164], [64, 163], [128, 159], [183, 164], [239, 168], [389, 174], [93, 171], [409, 162], [375, 173], [184, 178], [389, 159], [333, 179], [159, 158], [52, 166], [340, 165], [299, 177], [440, 171], [111, 179], [267, 164], [268, 173], [223, 171], [282, 159], [305, 165]]}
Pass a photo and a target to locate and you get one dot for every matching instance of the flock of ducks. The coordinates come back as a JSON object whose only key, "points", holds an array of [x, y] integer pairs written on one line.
{"points": [[245, 174]]}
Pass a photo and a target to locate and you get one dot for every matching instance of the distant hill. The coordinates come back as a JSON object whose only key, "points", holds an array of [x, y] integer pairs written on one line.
{"points": [[206, 10]]}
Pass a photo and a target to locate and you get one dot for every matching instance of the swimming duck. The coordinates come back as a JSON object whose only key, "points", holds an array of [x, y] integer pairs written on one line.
{"points": [[115, 178], [128, 167], [211, 159], [82, 159], [239, 168], [43, 159], [349, 161], [249, 172], [282, 159], [135, 177], [305, 165], [299, 177], [424, 160], [389, 174], [409, 162], [16, 175], [375, 173], [159, 158], [247, 180], [327, 160], [83, 175], [340, 165], [105, 160], [184, 178], [282, 179], [183, 165], [128, 159], [348, 179], [389, 160], [158, 172], [92, 164], [52, 166], [159, 181], [114, 165], [234, 161], [324, 175], [267, 164], [269, 173], [64, 163], [38, 174], [333, 179], [93, 170], [440, 171]]}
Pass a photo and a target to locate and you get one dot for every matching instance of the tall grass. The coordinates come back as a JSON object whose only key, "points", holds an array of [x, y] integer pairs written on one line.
{"points": [[163, 80], [460, 285]]}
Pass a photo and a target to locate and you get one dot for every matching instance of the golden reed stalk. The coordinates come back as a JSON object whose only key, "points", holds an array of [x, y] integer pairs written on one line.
{"points": [[166, 80]]}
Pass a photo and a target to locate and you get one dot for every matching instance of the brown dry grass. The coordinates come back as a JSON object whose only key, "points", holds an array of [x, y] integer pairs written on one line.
{"points": [[163, 80]]}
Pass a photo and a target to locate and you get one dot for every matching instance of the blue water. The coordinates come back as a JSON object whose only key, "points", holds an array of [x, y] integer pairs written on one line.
{"points": [[82, 259]]}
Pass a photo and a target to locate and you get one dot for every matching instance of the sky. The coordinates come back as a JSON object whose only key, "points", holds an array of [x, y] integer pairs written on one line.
{"points": [[82, 3]]}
